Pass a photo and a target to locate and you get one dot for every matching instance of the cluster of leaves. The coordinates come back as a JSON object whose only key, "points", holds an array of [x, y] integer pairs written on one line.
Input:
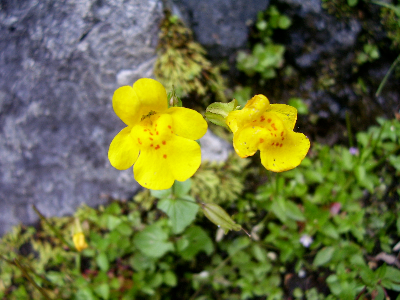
{"points": [[344, 201], [266, 56], [182, 64], [390, 15]]}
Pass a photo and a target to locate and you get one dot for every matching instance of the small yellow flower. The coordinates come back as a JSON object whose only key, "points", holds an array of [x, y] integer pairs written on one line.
{"points": [[158, 140], [268, 128], [79, 241]]}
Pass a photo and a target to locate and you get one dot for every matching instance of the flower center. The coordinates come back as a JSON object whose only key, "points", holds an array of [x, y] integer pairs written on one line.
{"points": [[275, 133], [153, 132]]}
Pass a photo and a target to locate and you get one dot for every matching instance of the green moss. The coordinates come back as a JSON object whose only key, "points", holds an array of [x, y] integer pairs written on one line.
{"points": [[182, 63], [220, 182]]}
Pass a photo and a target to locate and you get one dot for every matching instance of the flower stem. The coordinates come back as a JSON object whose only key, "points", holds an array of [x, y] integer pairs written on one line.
{"points": [[55, 230]]}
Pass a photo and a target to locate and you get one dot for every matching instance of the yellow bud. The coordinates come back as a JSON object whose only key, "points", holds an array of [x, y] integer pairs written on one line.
{"points": [[79, 241]]}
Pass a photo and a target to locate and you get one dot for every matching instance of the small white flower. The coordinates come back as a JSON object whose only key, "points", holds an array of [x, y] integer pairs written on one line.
{"points": [[306, 240]]}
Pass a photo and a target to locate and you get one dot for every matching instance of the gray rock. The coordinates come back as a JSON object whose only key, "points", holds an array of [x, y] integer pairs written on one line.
{"points": [[60, 62], [214, 148], [221, 25]]}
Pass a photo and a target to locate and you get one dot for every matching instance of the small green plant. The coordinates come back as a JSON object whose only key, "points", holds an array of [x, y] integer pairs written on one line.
{"points": [[328, 229], [370, 53], [266, 56], [182, 63]]}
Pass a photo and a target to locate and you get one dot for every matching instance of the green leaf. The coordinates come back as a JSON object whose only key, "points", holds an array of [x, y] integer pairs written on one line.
{"points": [[85, 294], [161, 194], [219, 217], [293, 211], [352, 2], [103, 290], [102, 262], [181, 188], [198, 240], [169, 278], [181, 211], [153, 241], [323, 256], [124, 229], [238, 244], [299, 104], [218, 111], [284, 22]]}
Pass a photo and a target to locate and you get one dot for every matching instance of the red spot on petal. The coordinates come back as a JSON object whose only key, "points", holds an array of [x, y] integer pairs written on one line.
{"points": [[169, 126], [262, 119], [272, 144], [150, 133], [261, 140], [145, 130], [151, 139], [269, 120], [273, 126], [165, 155], [281, 145], [277, 144], [140, 142], [163, 142], [283, 138], [151, 145], [157, 132], [254, 121], [157, 147], [282, 133]]}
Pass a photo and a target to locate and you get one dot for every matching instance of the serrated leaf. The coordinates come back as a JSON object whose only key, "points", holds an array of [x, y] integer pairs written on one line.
{"points": [[153, 241], [181, 211], [197, 240]]}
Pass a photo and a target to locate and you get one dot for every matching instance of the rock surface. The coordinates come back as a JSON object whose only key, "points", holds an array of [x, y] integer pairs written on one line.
{"points": [[221, 26], [60, 62]]}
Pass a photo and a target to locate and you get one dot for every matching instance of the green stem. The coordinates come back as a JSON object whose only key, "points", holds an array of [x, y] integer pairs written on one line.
{"points": [[30, 279], [383, 82], [78, 262], [55, 230], [348, 125]]}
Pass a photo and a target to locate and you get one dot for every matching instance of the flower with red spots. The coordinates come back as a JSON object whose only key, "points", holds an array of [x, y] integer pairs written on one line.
{"points": [[268, 128], [159, 141]]}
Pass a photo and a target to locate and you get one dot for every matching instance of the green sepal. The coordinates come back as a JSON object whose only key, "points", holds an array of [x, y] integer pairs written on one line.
{"points": [[173, 99], [218, 111], [219, 217]]}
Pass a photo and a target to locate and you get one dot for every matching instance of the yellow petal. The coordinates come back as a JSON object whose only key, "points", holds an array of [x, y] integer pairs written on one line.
{"points": [[247, 140], [159, 166], [254, 108], [123, 150], [285, 155], [187, 123], [126, 105], [152, 170], [151, 94], [184, 157], [79, 241], [287, 114]]}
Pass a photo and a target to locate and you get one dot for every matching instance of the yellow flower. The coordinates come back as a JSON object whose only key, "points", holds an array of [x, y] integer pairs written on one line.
{"points": [[158, 140], [79, 241], [268, 128]]}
